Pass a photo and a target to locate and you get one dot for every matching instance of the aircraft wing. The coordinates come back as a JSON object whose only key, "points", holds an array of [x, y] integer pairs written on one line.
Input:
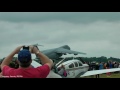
{"points": [[95, 72], [62, 50], [35, 64]]}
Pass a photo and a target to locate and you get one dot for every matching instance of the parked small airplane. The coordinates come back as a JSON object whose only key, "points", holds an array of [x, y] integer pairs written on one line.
{"points": [[74, 68]]}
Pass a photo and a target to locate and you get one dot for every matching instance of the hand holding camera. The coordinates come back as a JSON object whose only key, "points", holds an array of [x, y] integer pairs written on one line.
{"points": [[26, 47], [16, 51], [33, 49]]}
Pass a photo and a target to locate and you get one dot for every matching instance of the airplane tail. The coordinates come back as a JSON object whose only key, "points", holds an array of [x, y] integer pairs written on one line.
{"points": [[66, 47]]}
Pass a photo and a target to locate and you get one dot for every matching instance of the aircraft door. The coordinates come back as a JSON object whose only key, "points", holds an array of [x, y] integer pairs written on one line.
{"points": [[81, 67], [70, 71], [77, 68]]}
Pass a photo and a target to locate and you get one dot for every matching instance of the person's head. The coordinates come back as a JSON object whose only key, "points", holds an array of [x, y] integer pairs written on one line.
{"points": [[62, 66], [24, 58]]}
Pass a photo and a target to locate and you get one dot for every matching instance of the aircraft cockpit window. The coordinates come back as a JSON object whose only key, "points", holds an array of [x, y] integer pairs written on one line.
{"points": [[80, 64], [71, 65], [76, 64]]}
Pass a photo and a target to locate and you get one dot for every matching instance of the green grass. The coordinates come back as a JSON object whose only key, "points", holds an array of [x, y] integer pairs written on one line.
{"points": [[113, 75]]}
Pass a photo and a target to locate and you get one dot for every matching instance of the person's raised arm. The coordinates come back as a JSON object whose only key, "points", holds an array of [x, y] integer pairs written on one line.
{"points": [[44, 59], [8, 59]]}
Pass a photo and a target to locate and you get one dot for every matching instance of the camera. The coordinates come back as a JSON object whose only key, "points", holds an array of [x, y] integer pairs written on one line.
{"points": [[26, 47]]}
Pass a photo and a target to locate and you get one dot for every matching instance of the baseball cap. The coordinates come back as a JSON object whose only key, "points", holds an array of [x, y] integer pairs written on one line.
{"points": [[24, 56]]}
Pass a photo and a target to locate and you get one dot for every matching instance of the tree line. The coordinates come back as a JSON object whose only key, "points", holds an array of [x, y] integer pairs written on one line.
{"points": [[91, 59], [100, 59], [86, 59]]}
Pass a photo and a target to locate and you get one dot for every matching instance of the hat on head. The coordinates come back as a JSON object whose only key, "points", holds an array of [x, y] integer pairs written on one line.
{"points": [[24, 56]]}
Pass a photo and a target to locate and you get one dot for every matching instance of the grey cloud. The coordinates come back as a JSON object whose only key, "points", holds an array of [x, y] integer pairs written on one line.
{"points": [[62, 32], [97, 38], [75, 17]]}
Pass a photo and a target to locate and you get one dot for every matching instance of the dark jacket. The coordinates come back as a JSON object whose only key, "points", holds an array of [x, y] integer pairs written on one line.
{"points": [[107, 65]]}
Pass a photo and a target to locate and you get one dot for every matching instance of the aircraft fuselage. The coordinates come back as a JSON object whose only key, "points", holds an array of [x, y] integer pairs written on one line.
{"points": [[74, 68], [52, 55]]}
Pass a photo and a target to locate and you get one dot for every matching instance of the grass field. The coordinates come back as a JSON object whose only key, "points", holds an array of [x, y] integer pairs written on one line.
{"points": [[113, 75]]}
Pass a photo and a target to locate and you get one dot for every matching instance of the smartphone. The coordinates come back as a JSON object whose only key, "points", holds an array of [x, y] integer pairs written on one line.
{"points": [[26, 47]]}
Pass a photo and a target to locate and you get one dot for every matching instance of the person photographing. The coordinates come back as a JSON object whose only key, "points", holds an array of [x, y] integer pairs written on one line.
{"points": [[24, 60]]}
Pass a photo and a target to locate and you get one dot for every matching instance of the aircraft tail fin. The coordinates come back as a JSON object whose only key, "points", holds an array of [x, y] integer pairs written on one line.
{"points": [[65, 47]]}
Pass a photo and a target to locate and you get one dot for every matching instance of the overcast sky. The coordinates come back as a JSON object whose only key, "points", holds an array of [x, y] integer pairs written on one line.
{"points": [[94, 33]]}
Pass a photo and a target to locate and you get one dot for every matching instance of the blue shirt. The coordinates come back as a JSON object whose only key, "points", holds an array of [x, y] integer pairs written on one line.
{"points": [[110, 66], [101, 66]]}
